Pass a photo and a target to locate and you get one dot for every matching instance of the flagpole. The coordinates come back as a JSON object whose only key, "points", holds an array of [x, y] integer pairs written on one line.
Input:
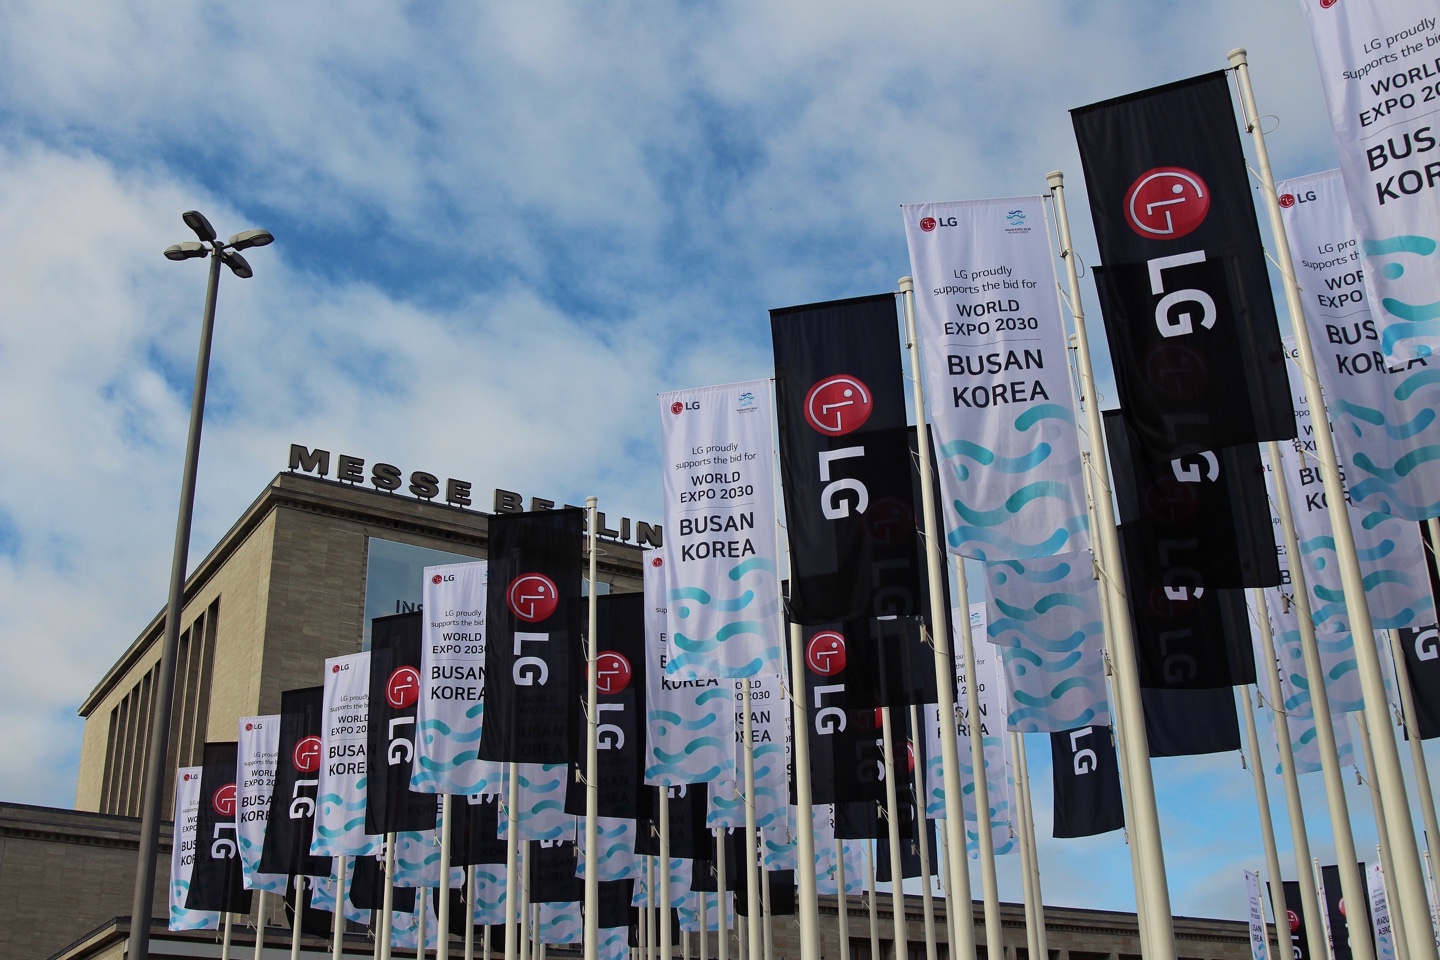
{"points": [[485, 938], [804, 807], [592, 750], [296, 917], [651, 953], [1409, 878], [722, 896], [964, 947], [469, 912], [842, 904], [945, 887], [874, 919], [422, 894], [752, 891], [1145, 826], [1033, 866], [892, 824], [1382, 847], [442, 912], [338, 939], [1267, 826], [642, 932], [666, 935], [512, 865], [767, 935], [1417, 746], [260, 926], [225, 938], [926, 895], [526, 924], [1033, 918], [704, 899]]}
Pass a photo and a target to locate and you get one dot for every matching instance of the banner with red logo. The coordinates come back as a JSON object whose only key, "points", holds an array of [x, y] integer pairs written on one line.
{"points": [[216, 880], [1259, 935], [1184, 289], [290, 828], [390, 804], [259, 742], [182, 854], [1379, 65], [689, 726], [846, 762], [340, 817], [1086, 774], [620, 702], [450, 713], [1421, 650], [849, 516], [997, 378], [719, 493], [533, 619], [1382, 411]]}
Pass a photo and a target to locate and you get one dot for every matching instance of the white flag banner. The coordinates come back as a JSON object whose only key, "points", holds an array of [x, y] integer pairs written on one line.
{"points": [[769, 735], [720, 517], [489, 907], [182, 854], [688, 722], [779, 850], [417, 859], [1044, 615], [1382, 413], [1259, 936], [724, 806], [540, 814], [1379, 63], [617, 850], [323, 895], [340, 797], [1391, 553], [614, 943], [258, 744], [451, 708], [1380, 913], [997, 378], [560, 923], [690, 915], [405, 927]]}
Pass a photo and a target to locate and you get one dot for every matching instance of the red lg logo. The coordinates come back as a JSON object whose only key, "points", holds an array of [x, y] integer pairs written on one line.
{"points": [[1166, 203], [677, 408], [612, 673], [224, 800], [1287, 200], [1327, 4], [306, 757], [1294, 919], [437, 579], [533, 597], [403, 687], [825, 653], [657, 562], [927, 224], [838, 405]]}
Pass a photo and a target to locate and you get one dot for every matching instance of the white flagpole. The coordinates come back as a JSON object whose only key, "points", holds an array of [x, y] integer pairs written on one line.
{"points": [[1145, 825], [808, 908], [1032, 866], [874, 920], [1409, 878], [742, 939], [1382, 848], [893, 763], [842, 905], [752, 889], [704, 899], [527, 926], [296, 917], [722, 897], [1417, 746], [1267, 826], [1299, 839], [338, 938], [592, 750], [950, 903], [767, 934], [667, 938], [387, 921], [442, 912], [260, 926], [421, 895], [1325, 914], [485, 937], [1033, 919], [225, 939], [964, 947], [684, 945], [926, 895], [642, 929], [469, 913], [512, 865]]}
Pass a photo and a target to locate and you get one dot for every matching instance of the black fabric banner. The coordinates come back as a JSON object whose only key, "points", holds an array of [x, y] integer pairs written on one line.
{"points": [[840, 400], [615, 896], [390, 805], [367, 887], [289, 829], [687, 815], [1185, 293], [532, 624], [476, 820], [1087, 783], [845, 756], [1338, 913], [782, 892], [891, 664], [1421, 649], [705, 877], [314, 922], [216, 882], [552, 872], [620, 693], [859, 821], [909, 855], [1187, 723], [1295, 917]]}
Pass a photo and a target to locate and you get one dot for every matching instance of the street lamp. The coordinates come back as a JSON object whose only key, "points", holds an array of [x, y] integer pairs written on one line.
{"points": [[227, 253]]}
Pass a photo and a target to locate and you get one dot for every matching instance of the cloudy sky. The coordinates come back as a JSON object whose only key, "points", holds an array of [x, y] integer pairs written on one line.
{"points": [[499, 232]]}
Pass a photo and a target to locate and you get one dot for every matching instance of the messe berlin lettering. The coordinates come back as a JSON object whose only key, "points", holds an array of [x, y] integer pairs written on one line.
{"points": [[458, 493]]}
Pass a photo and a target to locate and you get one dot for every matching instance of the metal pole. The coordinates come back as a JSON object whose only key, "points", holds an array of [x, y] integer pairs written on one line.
{"points": [[704, 899], [1382, 848], [512, 866], [1267, 826], [157, 760], [959, 886], [225, 938], [592, 752], [1409, 878], [722, 897], [842, 901], [387, 920], [874, 918], [651, 951], [470, 913], [1042, 938], [1145, 824], [260, 926], [893, 763], [421, 895], [945, 887], [667, 940], [527, 926], [485, 936], [442, 912], [642, 930], [808, 907], [1027, 879], [296, 917], [1417, 746], [338, 939], [926, 896], [767, 935], [752, 887]]}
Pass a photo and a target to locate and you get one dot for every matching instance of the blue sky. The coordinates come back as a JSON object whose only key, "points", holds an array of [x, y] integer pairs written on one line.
{"points": [[501, 229]]}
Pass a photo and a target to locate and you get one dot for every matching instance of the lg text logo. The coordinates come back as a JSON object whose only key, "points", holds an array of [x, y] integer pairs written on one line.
{"points": [[532, 598]]}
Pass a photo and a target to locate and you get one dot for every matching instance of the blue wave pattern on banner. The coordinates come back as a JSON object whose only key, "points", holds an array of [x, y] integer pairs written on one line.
{"points": [[540, 814], [690, 914], [417, 859], [405, 929], [724, 809], [458, 753], [183, 919], [351, 817], [560, 923], [489, 907], [617, 850], [250, 866], [1022, 506], [697, 750], [614, 943], [712, 629]]}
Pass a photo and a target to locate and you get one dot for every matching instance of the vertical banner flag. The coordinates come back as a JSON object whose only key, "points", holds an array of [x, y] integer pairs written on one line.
{"points": [[1184, 291], [1382, 410], [840, 401], [290, 829], [182, 854], [1380, 913], [1087, 782], [999, 398], [1188, 723], [1421, 650], [719, 490], [1344, 922], [1295, 907], [1259, 935], [451, 709], [474, 831], [259, 743], [340, 817], [689, 726], [390, 804], [216, 881], [845, 756], [620, 706], [1378, 67], [532, 622], [540, 813]]}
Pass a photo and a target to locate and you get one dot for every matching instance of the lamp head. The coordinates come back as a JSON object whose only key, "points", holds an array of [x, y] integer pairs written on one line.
{"points": [[250, 238], [237, 264], [188, 250], [196, 221]]}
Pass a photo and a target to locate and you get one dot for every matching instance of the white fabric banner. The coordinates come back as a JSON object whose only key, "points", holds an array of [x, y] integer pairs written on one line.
{"points": [[688, 722], [617, 850], [182, 854], [417, 859], [1379, 64], [720, 519], [614, 943], [997, 378], [489, 909], [340, 797], [323, 894], [769, 738], [258, 743], [1382, 414], [540, 814], [1259, 936], [1380, 912], [560, 923]]}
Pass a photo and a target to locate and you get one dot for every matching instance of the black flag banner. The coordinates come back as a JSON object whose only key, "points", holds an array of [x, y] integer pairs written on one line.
{"points": [[620, 699], [1339, 913], [1295, 917], [532, 622], [215, 879], [705, 875], [615, 896], [1187, 723], [845, 755], [689, 840], [297, 778], [314, 922], [1184, 291], [1421, 649], [840, 399], [476, 820], [1087, 783], [891, 664], [859, 821], [367, 888], [552, 876], [782, 892], [390, 805]]}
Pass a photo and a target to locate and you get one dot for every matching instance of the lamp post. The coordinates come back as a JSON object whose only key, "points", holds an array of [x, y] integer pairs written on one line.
{"points": [[227, 253]]}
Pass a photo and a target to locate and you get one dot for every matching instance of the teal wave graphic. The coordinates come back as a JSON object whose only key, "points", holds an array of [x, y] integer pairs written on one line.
{"points": [[1044, 411], [699, 743], [675, 720], [987, 457], [752, 564], [1401, 243]]}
